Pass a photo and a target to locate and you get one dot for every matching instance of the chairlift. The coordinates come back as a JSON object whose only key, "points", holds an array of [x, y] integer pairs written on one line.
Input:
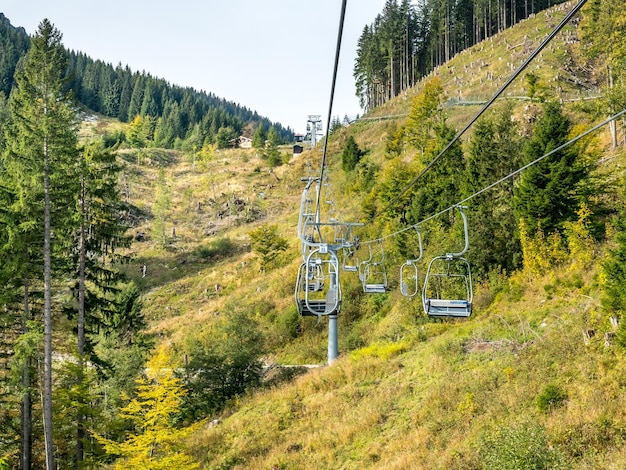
{"points": [[409, 275], [318, 291], [347, 265], [372, 272], [448, 290]]}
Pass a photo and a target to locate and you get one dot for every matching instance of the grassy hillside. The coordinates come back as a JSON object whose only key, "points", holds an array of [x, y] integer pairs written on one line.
{"points": [[516, 386]]}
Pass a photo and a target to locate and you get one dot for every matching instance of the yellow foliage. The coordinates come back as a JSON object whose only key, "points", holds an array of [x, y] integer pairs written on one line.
{"points": [[381, 350], [467, 407], [579, 240], [541, 253], [155, 443]]}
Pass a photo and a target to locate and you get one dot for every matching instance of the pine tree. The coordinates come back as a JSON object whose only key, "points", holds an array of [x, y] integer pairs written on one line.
{"points": [[41, 164], [548, 193], [99, 235], [493, 154], [351, 154], [258, 140]]}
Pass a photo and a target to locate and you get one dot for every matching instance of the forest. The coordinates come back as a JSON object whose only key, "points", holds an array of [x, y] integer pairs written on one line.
{"points": [[171, 116], [407, 40], [147, 305]]}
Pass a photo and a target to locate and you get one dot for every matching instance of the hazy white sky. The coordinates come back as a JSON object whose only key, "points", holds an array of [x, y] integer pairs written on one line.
{"points": [[273, 56]]}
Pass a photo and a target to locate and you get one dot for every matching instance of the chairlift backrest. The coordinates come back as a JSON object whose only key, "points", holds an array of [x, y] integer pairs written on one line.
{"points": [[374, 275], [317, 290], [348, 253]]}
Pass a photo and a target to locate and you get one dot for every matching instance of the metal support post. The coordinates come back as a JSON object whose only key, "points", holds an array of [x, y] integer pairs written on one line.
{"points": [[333, 350]]}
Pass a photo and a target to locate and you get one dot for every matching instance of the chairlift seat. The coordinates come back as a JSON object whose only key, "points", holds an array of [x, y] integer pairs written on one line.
{"points": [[315, 308], [314, 286], [350, 269], [448, 308], [374, 288]]}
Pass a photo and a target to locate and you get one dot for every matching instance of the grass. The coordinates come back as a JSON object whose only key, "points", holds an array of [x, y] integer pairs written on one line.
{"points": [[433, 402]]}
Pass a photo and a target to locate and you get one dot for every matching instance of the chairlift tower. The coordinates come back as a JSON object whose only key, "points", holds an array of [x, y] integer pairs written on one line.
{"points": [[314, 129]]}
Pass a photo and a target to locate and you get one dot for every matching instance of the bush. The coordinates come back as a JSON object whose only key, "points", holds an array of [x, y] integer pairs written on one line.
{"points": [[223, 364], [521, 447], [551, 397], [221, 247]]}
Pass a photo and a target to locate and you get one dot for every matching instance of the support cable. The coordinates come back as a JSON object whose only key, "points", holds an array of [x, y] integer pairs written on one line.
{"points": [[501, 180], [519, 70], [330, 104]]}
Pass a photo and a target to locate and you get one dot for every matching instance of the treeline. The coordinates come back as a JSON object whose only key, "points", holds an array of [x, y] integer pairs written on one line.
{"points": [[178, 116], [407, 40]]}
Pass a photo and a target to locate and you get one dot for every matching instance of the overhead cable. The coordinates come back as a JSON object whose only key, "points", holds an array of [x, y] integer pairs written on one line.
{"points": [[520, 69], [330, 105], [501, 180]]}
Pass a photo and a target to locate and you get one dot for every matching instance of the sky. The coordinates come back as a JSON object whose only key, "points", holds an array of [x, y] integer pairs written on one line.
{"points": [[275, 57]]}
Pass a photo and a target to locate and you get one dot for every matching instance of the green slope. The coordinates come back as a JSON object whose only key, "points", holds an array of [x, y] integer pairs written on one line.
{"points": [[516, 386]]}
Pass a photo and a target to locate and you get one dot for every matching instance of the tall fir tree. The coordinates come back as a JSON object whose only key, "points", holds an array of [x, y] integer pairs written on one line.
{"points": [[100, 233], [40, 164]]}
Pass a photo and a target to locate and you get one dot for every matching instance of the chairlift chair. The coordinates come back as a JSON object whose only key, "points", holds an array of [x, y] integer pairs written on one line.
{"points": [[441, 286], [409, 275], [317, 290], [373, 273], [346, 265]]}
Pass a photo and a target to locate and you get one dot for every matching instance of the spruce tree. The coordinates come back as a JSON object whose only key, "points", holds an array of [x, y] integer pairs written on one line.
{"points": [[351, 154], [100, 233], [493, 154], [614, 267], [548, 193], [40, 168], [258, 140]]}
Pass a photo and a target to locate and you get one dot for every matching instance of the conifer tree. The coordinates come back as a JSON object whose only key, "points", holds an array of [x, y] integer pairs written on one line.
{"points": [[548, 193], [493, 154], [614, 267], [258, 140], [100, 233], [40, 164], [351, 154]]}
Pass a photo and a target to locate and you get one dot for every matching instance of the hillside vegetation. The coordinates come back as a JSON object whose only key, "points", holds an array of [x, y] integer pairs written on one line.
{"points": [[533, 380], [237, 379]]}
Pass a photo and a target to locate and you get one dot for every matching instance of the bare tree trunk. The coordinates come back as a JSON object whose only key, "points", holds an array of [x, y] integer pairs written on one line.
{"points": [[26, 437], [80, 427], [47, 295], [447, 35]]}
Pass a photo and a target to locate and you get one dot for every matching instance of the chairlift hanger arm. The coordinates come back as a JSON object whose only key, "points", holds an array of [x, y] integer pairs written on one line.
{"points": [[465, 234], [419, 239]]}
